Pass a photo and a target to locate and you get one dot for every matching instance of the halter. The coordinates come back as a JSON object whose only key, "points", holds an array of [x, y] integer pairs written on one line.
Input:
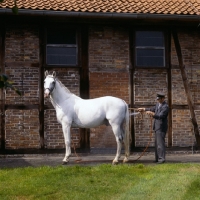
{"points": [[51, 89]]}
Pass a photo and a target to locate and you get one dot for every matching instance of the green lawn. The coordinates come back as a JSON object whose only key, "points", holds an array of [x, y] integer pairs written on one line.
{"points": [[104, 182]]}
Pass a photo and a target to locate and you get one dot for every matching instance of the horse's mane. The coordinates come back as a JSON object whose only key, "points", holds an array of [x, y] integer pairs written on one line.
{"points": [[61, 84]]}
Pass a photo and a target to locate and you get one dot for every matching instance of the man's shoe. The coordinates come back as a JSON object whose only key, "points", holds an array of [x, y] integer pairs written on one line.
{"points": [[161, 162]]}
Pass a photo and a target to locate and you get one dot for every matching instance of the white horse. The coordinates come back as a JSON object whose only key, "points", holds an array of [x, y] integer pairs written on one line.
{"points": [[72, 111]]}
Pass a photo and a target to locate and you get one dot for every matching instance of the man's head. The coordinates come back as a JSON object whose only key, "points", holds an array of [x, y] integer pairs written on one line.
{"points": [[160, 97]]}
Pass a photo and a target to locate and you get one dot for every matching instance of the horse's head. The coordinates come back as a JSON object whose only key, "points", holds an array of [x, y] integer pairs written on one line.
{"points": [[49, 83]]}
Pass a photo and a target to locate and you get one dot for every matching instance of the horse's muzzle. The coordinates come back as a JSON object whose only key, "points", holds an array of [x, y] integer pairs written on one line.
{"points": [[46, 93]]}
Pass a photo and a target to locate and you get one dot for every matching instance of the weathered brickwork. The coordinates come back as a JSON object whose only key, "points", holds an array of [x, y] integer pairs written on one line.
{"points": [[108, 48], [189, 41], [108, 76], [22, 48], [107, 84], [178, 90], [146, 85], [22, 44], [102, 137], [108, 61], [26, 79], [144, 133], [54, 138], [22, 127], [181, 126]]}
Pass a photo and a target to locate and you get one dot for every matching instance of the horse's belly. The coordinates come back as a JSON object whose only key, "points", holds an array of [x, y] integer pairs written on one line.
{"points": [[84, 123]]}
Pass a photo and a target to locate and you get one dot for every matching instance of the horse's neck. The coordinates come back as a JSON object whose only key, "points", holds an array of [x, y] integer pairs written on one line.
{"points": [[59, 94]]}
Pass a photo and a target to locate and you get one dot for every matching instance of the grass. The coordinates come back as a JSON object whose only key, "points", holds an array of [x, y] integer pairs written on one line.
{"points": [[102, 182]]}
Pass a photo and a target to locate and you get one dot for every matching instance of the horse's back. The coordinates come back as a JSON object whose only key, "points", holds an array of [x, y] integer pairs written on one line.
{"points": [[106, 103], [95, 112]]}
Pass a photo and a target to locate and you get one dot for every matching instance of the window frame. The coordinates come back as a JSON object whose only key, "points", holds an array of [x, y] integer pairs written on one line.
{"points": [[77, 45], [165, 48]]}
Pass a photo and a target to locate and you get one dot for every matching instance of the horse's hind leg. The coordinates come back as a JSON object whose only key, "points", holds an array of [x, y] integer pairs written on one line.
{"points": [[118, 135]]}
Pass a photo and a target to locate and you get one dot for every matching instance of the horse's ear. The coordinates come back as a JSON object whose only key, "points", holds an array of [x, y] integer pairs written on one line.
{"points": [[46, 73], [54, 74]]}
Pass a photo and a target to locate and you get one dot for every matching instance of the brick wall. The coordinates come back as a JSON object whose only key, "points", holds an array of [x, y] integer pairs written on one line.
{"points": [[107, 84], [21, 51], [181, 126], [147, 82], [21, 47], [108, 48], [108, 74], [22, 127], [146, 85], [108, 60], [22, 58], [22, 44]]}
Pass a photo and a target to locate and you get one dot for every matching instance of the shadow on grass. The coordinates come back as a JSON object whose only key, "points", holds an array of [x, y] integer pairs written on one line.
{"points": [[193, 191]]}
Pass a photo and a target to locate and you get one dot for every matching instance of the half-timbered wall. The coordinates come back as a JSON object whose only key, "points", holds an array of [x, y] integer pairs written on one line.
{"points": [[22, 66], [182, 129], [109, 63], [21, 56]]}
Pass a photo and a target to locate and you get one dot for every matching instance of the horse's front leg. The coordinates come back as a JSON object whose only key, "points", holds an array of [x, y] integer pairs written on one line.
{"points": [[67, 138]]}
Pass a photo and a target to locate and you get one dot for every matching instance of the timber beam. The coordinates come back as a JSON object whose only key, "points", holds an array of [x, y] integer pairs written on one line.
{"points": [[186, 86]]}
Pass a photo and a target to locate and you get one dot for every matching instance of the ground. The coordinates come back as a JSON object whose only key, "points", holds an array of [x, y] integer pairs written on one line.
{"points": [[36, 160]]}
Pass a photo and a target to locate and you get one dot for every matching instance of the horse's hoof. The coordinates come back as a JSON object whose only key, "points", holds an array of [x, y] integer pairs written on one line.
{"points": [[64, 163], [115, 163], [125, 160]]}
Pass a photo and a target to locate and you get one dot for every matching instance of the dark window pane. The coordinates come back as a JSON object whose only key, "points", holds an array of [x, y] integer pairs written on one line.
{"points": [[61, 37], [150, 57], [149, 38], [61, 55]]}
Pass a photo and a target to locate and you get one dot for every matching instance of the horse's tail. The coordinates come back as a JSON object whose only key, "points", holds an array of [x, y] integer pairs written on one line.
{"points": [[127, 138]]}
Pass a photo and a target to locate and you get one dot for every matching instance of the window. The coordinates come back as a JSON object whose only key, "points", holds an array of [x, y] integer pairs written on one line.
{"points": [[61, 47], [150, 49]]}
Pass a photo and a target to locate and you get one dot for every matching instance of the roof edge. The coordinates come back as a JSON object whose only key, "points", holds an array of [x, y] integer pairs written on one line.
{"points": [[100, 15]]}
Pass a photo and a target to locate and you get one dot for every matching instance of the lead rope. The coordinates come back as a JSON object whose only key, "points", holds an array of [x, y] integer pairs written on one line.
{"points": [[151, 133], [78, 157]]}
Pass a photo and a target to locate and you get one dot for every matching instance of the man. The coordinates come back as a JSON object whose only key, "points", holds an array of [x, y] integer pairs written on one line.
{"points": [[159, 112]]}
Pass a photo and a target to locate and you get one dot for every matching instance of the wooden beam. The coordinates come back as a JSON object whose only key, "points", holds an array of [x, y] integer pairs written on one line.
{"points": [[84, 70], [169, 88], [20, 106], [24, 64], [41, 85], [131, 85], [186, 86], [84, 80], [2, 67]]}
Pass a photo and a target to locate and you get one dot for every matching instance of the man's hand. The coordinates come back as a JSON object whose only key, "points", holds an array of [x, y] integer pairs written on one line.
{"points": [[141, 109], [150, 113]]}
